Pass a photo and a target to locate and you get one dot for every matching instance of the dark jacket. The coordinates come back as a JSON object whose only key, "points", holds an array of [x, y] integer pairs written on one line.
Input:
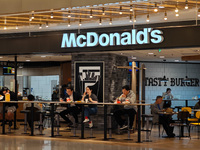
{"points": [[76, 97]]}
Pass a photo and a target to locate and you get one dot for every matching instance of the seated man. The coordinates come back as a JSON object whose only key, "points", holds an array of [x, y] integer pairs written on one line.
{"points": [[165, 120], [71, 108], [27, 106], [128, 96], [10, 108]]}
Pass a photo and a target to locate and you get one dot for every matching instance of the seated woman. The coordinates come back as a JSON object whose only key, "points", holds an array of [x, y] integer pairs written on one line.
{"points": [[27, 106], [91, 109]]}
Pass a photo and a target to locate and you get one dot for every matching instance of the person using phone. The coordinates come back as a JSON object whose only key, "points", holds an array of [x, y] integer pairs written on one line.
{"points": [[92, 108]]}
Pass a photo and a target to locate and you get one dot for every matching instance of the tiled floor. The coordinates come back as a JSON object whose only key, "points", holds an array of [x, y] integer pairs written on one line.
{"points": [[17, 141]]}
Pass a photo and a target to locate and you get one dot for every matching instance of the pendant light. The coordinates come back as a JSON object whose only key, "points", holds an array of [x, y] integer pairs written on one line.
{"points": [[186, 79], [164, 79]]}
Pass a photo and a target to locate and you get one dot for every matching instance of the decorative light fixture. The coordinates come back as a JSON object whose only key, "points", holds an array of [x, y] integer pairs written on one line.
{"points": [[156, 8], [177, 14], [176, 10], [80, 22], [131, 8], [110, 21], [147, 18], [40, 27], [103, 11], [69, 13], [131, 18], [134, 19], [47, 25], [32, 16], [165, 18], [100, 22], [91, 13], [69, 23], [186, 79], [51, 15], [16, 27], [120, 10], [5, 28], [164, 79], [186, 4]]}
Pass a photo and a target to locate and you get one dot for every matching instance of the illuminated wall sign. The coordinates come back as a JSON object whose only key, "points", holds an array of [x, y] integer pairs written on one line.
{"points": [[91, 39]]}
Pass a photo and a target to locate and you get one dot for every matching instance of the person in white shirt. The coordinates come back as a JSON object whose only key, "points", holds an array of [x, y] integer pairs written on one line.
{"points": [[128, 97]]}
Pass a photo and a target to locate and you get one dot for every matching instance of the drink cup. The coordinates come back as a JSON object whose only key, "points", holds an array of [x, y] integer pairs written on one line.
{"points": [[86, 100], [68, 99]]}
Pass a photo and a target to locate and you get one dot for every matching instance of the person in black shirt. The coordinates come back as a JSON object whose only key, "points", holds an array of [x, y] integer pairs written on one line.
{"points": [[71, 108], [92, 108]]}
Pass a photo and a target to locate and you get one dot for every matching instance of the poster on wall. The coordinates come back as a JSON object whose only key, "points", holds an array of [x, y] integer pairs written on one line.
{"points": [[90, 73]]}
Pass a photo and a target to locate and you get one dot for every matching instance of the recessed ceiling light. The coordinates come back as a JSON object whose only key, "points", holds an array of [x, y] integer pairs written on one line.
{"points": [[121, 53], [28, 60], [43, 56], [134, 57], [176, 60], [150, 53], [1, 57], [162, 56]]}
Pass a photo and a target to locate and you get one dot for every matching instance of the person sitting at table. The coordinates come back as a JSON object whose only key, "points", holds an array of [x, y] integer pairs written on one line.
{"points": [[27, 106], [71, 108], [165, 120], [92, 108], [167, 96], [10, 108], [128, 97]]}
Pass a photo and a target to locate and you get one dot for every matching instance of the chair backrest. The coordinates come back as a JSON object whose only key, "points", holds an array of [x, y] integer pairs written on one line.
{"points": [[183, 115], [198, 114], [186, 109]]}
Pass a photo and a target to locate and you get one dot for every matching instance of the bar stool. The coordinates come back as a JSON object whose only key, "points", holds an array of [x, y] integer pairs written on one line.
{"points": [[110, 115], [91, 129], [47, 120], [148, 131], [74, 129], [25, 120], [128, 130], [57, 116], [40, 125]]}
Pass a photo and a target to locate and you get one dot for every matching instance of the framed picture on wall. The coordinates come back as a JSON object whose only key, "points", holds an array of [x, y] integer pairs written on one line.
{"points": [[89, 73]]}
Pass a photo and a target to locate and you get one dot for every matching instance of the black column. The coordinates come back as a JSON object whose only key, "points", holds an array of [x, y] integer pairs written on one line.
{"points": [[105, 122], [3, 122], [139, 124], [82, 124], [52, 119], [16, 91], [32, 119]]}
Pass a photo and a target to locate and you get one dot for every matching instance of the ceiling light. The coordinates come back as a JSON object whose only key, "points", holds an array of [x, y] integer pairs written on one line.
{"points": [[47, 25], [134, 17], [5, 28], [177, 14], [110, 21], [165, 18], [80, 22], [30, 19], [162, 56], [32, 16], [17, 27], [186, 79], [134, 57], [1, 57], [131, 19], [176, 10], [150, 53], [156, 8], [198, 14], [176, 60], [69, 14], [120, 10], [148, 18], [40, 27], [43, 56], [131, 8], [91, 13], [51, 15], [186, 4], [100, 23], [28, 60], [164, 79], [103, 11], [69, 23]]}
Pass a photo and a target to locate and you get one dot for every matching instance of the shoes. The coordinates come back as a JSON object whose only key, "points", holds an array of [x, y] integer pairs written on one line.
{"points": [[86, 120], [124, 127], [90, 124], [172, 135]]}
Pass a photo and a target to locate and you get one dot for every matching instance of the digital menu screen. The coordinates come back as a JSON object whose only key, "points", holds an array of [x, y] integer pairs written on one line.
{"points": [[8, 71]]}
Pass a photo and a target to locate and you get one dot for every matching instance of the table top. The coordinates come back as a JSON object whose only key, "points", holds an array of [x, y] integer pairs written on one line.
{"points": [[167, 113], [79, 102]]}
